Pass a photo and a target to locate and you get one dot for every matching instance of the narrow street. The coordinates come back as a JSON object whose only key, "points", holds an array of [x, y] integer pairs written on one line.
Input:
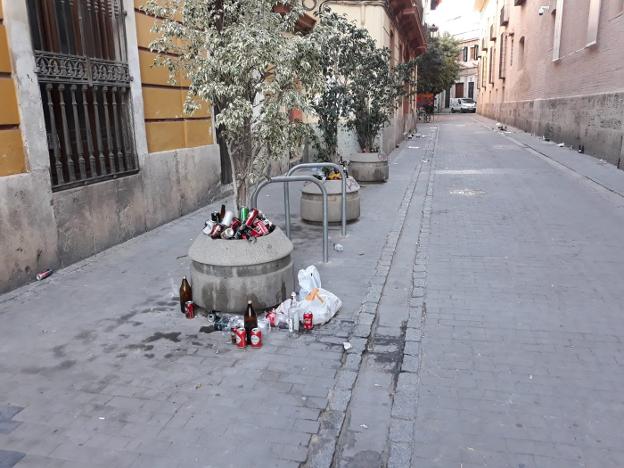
{"points": [[482, 304], [522, 349]]}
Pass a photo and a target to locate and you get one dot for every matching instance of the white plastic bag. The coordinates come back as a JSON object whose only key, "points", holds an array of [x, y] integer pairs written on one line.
{"points": [[309, 279], [323, 305]]}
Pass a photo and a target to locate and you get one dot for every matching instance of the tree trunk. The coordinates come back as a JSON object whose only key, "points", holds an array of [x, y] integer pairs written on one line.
{"points": [[241, 155]]}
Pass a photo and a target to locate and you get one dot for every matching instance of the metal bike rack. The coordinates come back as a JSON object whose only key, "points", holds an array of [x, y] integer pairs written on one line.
{"points": [[285, 180], [299, 167]]}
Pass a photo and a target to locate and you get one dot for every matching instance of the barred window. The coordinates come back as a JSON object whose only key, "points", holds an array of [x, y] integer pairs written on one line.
{"points": [[81, 59]]}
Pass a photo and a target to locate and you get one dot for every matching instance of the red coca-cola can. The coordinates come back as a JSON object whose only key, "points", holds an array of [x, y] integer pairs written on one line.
{"points": [[255, 338], [251, 218], [308, 323], [189, 309], [261, 228], [241, 337]]}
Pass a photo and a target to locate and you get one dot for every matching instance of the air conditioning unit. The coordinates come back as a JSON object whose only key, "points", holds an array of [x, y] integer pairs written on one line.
{"points": [[504, 16]]}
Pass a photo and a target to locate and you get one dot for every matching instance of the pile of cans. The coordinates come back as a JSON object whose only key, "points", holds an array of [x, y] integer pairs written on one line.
{"points": [[250, 225]]}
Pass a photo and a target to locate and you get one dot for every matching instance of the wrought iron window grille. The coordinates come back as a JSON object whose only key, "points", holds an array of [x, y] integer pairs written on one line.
{"points": [[81, 64]]}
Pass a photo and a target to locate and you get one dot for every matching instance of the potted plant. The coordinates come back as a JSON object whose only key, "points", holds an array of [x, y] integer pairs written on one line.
{"points": [[376, 90], [341, 47], [246, 59]]}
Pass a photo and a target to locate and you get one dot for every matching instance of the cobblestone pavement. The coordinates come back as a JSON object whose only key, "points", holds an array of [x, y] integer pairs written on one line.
{"points": [[485, 325], [522, 359]]}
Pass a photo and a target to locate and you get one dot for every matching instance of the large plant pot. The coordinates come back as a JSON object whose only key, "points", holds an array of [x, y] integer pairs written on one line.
{"points": [[369, 167], [225, 274], [311, 207]]}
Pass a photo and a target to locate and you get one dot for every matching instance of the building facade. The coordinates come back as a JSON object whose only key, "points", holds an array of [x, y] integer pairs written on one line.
{"points": [[466, 84], [397, 25], [555, 68], [94, 145]]}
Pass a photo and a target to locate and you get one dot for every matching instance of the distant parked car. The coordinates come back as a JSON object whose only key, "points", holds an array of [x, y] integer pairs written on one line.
{"points": [[463, 105]]}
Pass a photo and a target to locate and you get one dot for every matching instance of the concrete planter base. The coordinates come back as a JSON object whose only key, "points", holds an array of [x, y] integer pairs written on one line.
{"points": [[225, 274], [369, 167], [311, 206]]}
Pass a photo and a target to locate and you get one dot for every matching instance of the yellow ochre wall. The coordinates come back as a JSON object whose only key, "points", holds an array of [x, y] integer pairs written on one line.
{"points": [[12, 160], [166, 125]]}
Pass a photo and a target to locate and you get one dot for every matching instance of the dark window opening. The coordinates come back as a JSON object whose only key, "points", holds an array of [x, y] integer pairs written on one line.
{"points": [[81, 60]]}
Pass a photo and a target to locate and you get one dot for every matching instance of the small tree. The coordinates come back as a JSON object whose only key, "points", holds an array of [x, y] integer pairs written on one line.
{"points": [[245, 58], [342, 47], [360, 84], [438, 68], [377, 89]]}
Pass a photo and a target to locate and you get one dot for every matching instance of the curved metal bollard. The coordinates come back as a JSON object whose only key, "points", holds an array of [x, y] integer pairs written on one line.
{"points": [[285, 180], [299, 167]]}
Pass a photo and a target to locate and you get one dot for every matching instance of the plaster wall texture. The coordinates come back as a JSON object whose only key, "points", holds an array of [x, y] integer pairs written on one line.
{"points": [[576, 99]]}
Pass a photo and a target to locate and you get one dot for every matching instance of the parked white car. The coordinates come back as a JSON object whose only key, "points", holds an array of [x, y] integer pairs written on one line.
{"points": [[463, 105]]}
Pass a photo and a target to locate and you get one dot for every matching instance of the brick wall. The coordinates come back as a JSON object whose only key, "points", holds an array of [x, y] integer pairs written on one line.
{"points": [[578, 98]]}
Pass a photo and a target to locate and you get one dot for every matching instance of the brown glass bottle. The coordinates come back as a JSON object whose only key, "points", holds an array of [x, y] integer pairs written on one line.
{"points": [[251, 320], [186, 293]]}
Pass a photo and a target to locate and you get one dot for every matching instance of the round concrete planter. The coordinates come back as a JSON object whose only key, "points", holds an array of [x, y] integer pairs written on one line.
{"points": [[311, 206], [225, 274], [369, 167]]}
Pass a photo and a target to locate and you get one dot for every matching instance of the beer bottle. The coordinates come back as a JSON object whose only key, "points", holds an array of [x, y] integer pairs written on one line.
{"points": [[186, 293], [222, 213], [251, 320]]}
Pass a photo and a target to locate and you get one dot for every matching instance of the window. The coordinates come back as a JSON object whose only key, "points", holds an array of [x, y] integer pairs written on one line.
{"points": [[511, 51], [471, 91], [618, 7], [491, 61], [465, 54], [81, 64], [521, 52], [502, 56], [592, 23], [474, 52]]}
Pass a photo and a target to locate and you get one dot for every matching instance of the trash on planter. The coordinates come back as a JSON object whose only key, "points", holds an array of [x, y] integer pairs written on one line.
{"points": [[225, 225], [338, 248]]}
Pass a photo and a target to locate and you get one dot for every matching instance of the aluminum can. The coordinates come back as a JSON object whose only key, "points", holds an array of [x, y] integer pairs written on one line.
{"points": [[43, 275], [241, 337], [216, 231], [255, 338], [244, 214], [233, 334], [261, 228], [189, 309], [227, 218], [249, 222], [209, 225], [236, 223], [308, 323], [228, 233]]}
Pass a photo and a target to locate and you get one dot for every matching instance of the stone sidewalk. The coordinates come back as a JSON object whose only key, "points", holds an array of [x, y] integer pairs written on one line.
{"points": [[100, 369]]}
